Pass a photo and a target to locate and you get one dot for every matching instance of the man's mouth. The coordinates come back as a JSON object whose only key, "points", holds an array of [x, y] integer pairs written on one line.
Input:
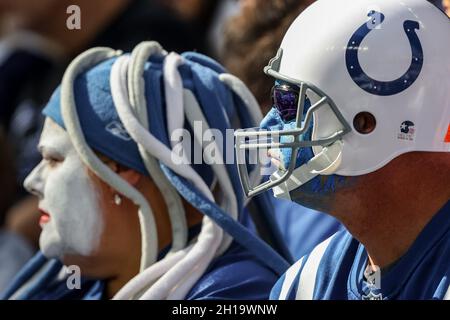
{"points": [[45, 217]]}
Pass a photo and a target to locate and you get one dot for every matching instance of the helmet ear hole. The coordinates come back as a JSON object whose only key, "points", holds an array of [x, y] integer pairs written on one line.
{"points": [[364, 122]]}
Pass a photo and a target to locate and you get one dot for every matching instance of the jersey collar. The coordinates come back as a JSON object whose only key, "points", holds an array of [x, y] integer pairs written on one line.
{"points": [[395, 278]]}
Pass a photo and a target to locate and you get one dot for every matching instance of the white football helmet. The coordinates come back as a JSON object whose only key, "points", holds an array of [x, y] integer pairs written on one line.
{"points": [[388, 59]]}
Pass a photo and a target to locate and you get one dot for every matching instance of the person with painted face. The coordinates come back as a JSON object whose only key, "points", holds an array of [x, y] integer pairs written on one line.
{"points": [[35, 49], [122, 205], [360, 129], [251, 37]]}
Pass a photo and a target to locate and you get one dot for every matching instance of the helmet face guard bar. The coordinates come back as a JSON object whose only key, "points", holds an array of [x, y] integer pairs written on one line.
{"points": [[302, 124]]}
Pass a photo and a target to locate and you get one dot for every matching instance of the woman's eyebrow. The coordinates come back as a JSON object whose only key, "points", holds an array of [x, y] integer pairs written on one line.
{"points": [[42, 148]]}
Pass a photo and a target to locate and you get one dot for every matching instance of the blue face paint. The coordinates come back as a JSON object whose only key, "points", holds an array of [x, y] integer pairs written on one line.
{"points": [[275, 120], [320, 187]]}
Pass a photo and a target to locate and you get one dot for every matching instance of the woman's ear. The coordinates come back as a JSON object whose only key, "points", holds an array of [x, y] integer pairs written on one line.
{"points": [[131, 176]]}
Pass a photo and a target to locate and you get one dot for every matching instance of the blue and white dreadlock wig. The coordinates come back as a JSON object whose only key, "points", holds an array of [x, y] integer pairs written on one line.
{"points": [[149, 95]]}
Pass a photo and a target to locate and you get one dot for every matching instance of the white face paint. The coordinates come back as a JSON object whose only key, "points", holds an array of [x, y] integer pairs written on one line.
{"points": [[71, 220]]}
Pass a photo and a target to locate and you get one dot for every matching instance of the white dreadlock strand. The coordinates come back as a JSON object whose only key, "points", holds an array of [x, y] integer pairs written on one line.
{"points": [[152, 145], [190, 268], [229, 202], [142, 136], [238, 87], [136, 90], [72, 123], [175, 120], [253, 109], [180, 279], [141, 281]]}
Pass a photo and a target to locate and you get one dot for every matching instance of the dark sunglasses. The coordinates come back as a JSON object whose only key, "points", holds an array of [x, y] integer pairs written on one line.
{"points": [[285, 100]]}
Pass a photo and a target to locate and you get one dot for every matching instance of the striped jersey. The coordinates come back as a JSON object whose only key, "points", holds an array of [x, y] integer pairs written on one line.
{"points": [[335, 269]]}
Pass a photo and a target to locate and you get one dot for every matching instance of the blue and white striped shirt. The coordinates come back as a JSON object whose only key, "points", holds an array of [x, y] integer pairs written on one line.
{"points": [[335, 269]]}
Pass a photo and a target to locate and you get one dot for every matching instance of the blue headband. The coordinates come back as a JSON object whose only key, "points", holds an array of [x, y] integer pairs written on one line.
{"points": [[103, 129]]}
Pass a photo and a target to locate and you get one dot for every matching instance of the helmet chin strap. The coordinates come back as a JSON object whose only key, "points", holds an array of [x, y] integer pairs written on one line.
{"points": [[324, 163]]}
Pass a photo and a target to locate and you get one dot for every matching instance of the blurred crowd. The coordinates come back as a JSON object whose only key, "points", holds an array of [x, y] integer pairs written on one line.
{"points": [[36, 47]]}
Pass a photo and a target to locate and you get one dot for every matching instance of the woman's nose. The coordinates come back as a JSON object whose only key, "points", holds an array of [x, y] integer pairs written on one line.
{"points": [[34, 183]]}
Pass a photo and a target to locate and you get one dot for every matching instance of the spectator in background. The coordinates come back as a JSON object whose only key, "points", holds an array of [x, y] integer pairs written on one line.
{"points": [[196, 12], [35, 48], [42, 32], [6, 176], [251, 39], [207, 18]]}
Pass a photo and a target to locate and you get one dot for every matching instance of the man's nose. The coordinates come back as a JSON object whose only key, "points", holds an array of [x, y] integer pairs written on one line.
{"points": [[34, 183]]}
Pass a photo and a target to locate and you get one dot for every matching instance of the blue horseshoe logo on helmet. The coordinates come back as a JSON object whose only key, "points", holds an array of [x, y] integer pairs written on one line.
{"points": [[384, 88]]}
